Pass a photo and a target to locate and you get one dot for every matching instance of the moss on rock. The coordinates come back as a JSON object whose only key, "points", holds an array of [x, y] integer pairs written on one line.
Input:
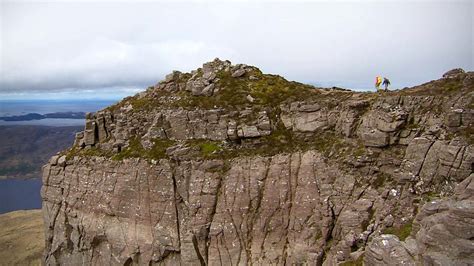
{"points": [[402, 232]]}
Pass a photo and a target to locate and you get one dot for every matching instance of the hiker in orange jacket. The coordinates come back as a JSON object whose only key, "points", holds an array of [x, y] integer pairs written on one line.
{"points": [[378, 81]]}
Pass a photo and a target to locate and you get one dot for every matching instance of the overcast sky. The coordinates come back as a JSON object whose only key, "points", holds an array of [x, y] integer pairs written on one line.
{"points": [[112, 49]]}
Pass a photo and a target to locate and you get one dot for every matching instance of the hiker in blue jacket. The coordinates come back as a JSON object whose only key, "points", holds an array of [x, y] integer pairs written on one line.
{"points": [[386, 82]]}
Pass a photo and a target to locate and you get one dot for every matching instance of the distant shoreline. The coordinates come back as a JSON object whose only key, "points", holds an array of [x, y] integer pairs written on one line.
{"points": [[36, 116]]}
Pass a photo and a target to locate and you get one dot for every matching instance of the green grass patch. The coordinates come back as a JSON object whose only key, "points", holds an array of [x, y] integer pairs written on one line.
{"points": [[142, 103], [136, 150], [359, 150], [401, 232], [267, 90], [133, 150], [430, 196], [208, 149], [441, 87], [280, 141], [88, 152], [381, 179]]}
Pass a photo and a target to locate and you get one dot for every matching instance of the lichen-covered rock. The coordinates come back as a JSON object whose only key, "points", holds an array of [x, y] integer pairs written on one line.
{"points": [[431, 163], [238, 73], [387, 250], [442, 234], [349, 116], [379, 128], [304, 117], [445, 228]]}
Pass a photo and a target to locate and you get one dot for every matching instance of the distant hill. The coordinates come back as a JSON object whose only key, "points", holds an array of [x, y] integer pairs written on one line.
{"points": [[24, 149], [36, 116]]}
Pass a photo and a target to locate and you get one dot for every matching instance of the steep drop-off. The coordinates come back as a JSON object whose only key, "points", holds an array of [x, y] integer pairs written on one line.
{"points": [[226, 165]]}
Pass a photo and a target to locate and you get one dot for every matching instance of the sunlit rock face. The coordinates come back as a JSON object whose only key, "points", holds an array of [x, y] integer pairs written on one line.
{"points": [[226, 165]]}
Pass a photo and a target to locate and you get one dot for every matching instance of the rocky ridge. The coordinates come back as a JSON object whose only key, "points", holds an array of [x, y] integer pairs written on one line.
{"points": [[227, 165]]}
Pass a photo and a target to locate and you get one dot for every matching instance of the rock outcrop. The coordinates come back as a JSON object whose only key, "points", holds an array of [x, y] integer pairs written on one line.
{"points": [[226, 165], [442, 234]]}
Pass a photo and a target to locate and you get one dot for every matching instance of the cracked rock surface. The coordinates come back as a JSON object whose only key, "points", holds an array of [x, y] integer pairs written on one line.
{"points": [[191, 172]]}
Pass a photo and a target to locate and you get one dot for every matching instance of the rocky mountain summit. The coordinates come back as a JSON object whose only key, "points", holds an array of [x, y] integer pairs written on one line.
{"points": [[229, 166]]}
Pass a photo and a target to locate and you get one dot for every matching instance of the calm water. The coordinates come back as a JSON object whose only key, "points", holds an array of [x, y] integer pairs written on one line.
{"points": [[17, 194]]}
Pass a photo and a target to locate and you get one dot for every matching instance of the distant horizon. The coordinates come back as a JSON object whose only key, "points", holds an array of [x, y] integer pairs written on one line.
{"points": [[62, 100], [49, 51], [19, 107], [112, 96]]}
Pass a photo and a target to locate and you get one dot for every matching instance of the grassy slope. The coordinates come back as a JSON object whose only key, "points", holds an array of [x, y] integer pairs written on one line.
{"points": [[21, 238]]}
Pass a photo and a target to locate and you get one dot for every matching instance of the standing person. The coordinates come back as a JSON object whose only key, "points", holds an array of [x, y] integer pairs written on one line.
{"points": [[386, 82], [378, 81]]}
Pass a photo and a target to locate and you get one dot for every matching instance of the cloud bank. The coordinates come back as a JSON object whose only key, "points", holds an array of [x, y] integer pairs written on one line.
{"points": [[62, 47]]}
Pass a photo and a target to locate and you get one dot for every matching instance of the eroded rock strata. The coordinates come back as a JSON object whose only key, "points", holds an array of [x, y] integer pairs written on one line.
{"points": [[229, 166]]}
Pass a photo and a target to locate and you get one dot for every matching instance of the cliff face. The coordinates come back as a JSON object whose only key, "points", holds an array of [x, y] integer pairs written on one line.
{"points": [[226, 165]]}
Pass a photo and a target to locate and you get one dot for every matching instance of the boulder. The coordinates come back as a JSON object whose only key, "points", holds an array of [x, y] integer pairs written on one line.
{"points": [[445, 228], [232, 130], [387, 250], [62, 161], [79, 139], [415, 155], [304, 117], [172, 76], [90, 133], [453, 72], [305, 107], [245, 131], [374, 137], [443, 231], [102, 133], [250, 98], [309, 121], [196, 86], [209, 76], [208, 90], [380, 127], [453, 119], [263, 122], [54, 160], [238, 73]]}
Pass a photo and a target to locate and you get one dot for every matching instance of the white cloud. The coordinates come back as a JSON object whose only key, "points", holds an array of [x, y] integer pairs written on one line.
{"points": [[67, 46]]}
